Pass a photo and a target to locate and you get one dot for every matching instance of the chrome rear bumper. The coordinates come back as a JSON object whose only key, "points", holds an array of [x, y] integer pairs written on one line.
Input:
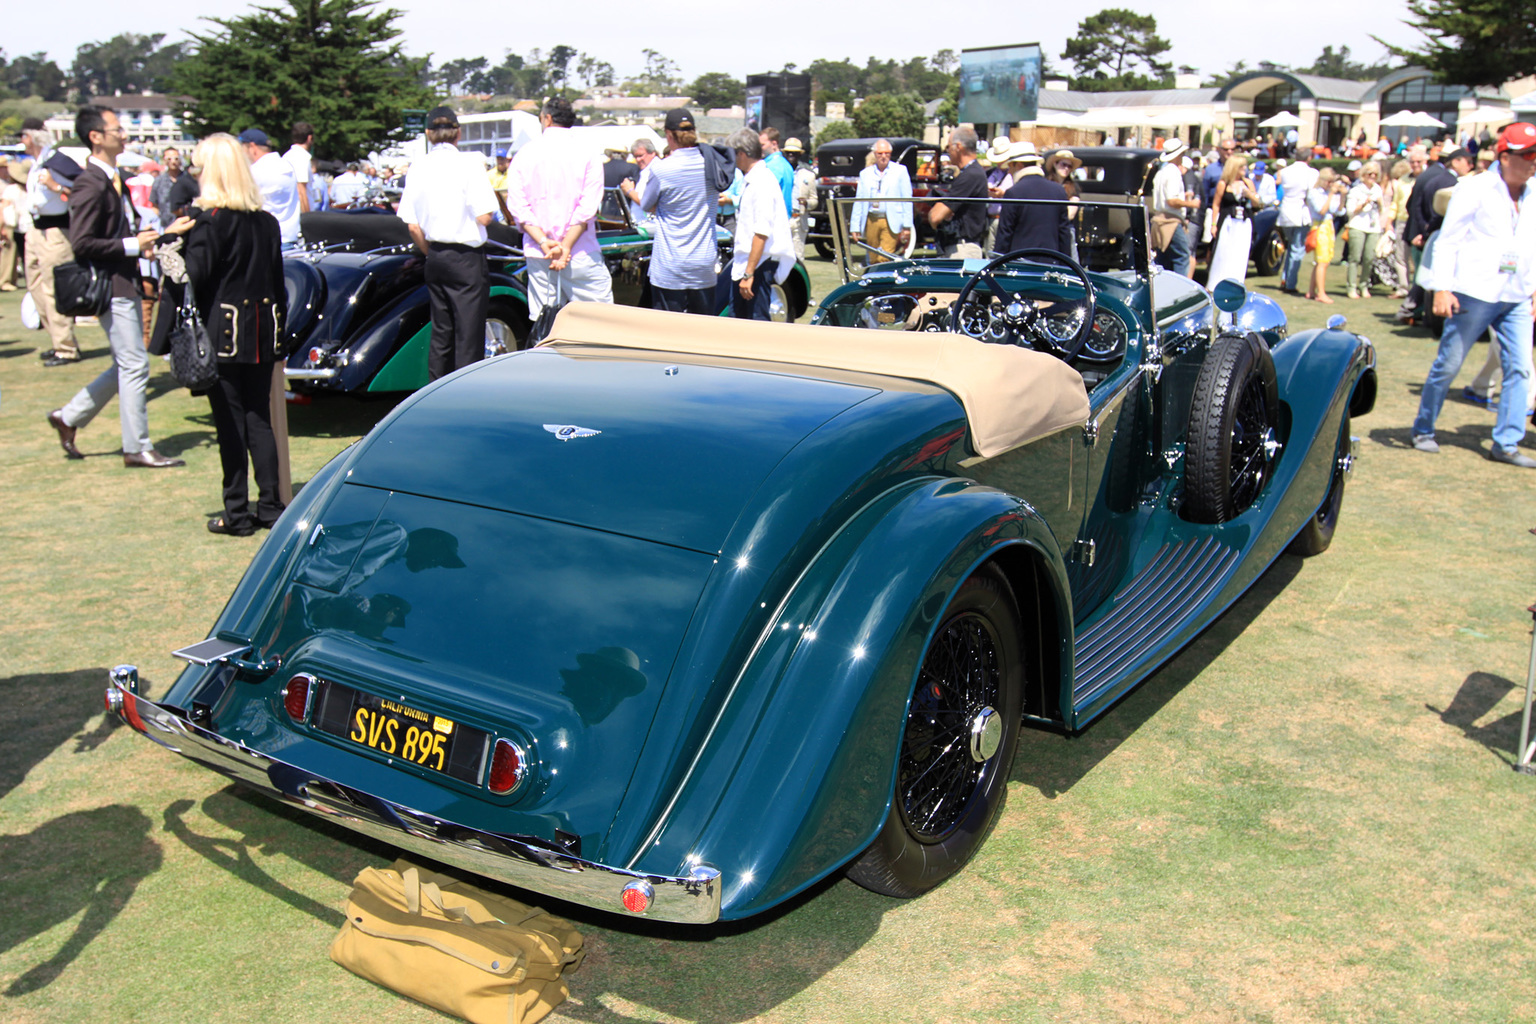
{"points": [[319, 373], [691, 900]]}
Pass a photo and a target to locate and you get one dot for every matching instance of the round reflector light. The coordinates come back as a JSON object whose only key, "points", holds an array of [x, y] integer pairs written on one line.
{"points": [[131, 711], [296, 696], [637, 896], [508, 766], [315, 355]]}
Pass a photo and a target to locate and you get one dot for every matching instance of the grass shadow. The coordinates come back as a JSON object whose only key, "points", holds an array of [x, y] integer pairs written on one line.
{"points": [[693, 958], [177, 444], [44, 710], [58, 867], [1479, 694], [1054, 762], [1472, 437]]}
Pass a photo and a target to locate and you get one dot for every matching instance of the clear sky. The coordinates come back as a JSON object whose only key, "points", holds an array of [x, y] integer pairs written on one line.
{"points": [[743, 39]]}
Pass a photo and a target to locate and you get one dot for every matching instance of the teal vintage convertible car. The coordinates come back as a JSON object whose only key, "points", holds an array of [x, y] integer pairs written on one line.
{"points": [[674, 616]]}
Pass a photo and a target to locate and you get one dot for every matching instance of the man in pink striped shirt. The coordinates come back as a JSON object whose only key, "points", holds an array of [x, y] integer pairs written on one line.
{"points": [[554, 188]]}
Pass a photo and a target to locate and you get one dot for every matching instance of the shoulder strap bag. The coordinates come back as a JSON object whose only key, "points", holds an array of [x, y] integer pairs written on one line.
{"points": [[81, 289], [193, 361]]}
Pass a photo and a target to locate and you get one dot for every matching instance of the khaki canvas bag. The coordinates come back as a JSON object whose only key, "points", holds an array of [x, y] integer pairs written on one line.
{"points": [[455, 947]]}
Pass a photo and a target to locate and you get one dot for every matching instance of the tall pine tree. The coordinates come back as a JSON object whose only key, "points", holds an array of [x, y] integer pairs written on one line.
{"points": [[333, 63]]}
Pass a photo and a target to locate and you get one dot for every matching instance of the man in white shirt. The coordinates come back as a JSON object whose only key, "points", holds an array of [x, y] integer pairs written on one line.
{"points": [[1295, 180], [446, 205], [298, 158], [888, 225], [279, 190], [1483, 274], [1171, 203], [349, 187], [765, 247]]}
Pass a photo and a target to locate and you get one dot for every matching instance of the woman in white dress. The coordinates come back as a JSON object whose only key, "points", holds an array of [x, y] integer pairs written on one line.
{"points": [[1235, 201]]}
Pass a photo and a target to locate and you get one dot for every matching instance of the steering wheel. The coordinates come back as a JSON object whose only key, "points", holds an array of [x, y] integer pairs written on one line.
{"points": [[973, 318]]}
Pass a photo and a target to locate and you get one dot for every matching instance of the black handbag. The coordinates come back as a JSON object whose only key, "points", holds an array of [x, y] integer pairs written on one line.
{"points": [[193, 361], [81, 289]]}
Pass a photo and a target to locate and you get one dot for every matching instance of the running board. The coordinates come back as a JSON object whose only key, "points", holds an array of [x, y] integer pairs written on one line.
{"points": [[1154, 606]]}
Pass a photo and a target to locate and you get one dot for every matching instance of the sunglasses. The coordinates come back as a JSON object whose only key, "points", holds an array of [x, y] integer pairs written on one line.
{"points": [[1528, 155]]}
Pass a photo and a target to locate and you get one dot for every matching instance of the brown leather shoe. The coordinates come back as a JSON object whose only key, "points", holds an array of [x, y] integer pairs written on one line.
{"points": [[66, 434], [150, 459]]}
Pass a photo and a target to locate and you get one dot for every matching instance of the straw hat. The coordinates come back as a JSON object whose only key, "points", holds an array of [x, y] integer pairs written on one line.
{"points": [[19, 170], [1064, 154]]}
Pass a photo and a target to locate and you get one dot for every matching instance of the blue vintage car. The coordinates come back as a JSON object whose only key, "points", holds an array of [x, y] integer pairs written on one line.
{"points": [[674, 616], [358, 317]]}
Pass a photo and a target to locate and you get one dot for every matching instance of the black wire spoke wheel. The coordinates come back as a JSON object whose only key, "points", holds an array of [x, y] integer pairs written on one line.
{"points": [[957, 743], [1252, 444], [960, 680], [1315, 537]]}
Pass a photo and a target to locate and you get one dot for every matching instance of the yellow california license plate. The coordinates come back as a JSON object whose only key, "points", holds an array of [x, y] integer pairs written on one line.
{"points": [[402, 732]]}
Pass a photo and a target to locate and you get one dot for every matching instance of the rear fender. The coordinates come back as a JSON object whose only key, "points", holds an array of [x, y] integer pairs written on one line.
{"points": [[795, 777], [401, 363]]}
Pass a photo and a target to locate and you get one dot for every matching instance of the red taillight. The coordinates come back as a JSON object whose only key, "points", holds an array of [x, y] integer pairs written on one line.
{"points": [[296, 696], [508, 766], [636, 896], [315, 355], [131, 710]]}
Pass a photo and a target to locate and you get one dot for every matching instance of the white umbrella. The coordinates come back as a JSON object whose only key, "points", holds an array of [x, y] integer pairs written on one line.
{"points": [[1284, 119], [1403, 119], [1428, 120], [1485, 115]]}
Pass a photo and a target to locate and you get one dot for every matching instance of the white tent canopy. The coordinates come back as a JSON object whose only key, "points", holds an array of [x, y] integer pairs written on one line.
{"points": [[1284, 119], [1484, 114]]}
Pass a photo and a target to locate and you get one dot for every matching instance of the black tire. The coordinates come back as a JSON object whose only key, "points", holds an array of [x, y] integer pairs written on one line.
{"points": [[1315, 537], [1271, 254], [824, 248], [1232, 423], [507, 320], [948, 793]]}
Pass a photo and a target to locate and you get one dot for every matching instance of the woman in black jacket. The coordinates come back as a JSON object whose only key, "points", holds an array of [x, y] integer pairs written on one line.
{"points": [[235, 268]]}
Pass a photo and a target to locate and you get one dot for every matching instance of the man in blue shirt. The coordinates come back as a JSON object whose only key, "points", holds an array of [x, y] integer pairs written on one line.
{"points": [[779, 164]]}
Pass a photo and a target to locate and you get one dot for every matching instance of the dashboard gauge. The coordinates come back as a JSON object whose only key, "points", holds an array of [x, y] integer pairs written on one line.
{"points": [[1106, 341]]}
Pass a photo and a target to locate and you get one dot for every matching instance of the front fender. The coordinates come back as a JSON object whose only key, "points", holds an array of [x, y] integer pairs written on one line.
{"points": [[796, 773]]}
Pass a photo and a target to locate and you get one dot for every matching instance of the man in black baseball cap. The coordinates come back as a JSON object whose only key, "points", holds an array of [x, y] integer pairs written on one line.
{"points": [[442, 117], [678, 195]]}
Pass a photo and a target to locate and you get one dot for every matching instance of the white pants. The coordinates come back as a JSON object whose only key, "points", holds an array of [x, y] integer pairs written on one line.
{"points": [[584, 279]]}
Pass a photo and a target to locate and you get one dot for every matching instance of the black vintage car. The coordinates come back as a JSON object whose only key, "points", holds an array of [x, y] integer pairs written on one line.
{"points": [[358, 316], [838, 164], [1126, 172]]}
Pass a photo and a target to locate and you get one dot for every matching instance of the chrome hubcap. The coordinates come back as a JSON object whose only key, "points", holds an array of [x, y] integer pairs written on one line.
{"points": [[497, 335], [986, 734]]}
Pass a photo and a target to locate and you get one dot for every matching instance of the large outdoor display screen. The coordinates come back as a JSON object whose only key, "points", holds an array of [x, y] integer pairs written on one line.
{"points": [[1000, 84]]}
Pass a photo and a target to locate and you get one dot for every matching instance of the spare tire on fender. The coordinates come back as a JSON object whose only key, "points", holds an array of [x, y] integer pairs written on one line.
{"points": [[1233, 423]]}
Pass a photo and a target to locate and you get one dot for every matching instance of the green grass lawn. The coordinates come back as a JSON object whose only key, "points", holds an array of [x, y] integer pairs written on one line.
{"points": [[1308, 815]]}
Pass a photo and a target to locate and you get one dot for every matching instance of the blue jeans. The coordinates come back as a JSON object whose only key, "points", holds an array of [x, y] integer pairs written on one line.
{"points": [[755, 308], [1295, 249], [1177, 256], [1511, 323]]}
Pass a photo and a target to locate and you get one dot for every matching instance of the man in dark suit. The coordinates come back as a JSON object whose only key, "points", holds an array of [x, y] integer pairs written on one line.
{"points": [[1022, 226], [101, 232], [1423, 221]]}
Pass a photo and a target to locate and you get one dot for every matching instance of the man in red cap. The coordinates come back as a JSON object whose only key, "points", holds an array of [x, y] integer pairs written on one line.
{"points": [[1484, 275]]}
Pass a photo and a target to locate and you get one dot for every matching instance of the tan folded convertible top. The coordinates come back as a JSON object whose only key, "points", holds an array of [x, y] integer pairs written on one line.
{"points": [[1011, 395]]}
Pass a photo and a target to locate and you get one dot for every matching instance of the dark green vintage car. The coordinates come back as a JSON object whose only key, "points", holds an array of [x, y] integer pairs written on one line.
{"points": [[673, 616], [359, 321]]}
